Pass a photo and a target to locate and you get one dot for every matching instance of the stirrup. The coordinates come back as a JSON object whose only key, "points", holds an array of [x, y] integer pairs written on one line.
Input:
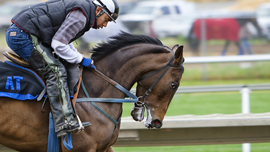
{"points": [[64, 130], [81, 127]]}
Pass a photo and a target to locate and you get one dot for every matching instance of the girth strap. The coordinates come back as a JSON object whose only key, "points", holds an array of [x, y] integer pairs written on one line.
{"points": [[116, 123]]}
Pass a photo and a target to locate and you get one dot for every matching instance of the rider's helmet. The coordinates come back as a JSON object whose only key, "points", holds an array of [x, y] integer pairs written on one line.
{"points": [[110, 7]]}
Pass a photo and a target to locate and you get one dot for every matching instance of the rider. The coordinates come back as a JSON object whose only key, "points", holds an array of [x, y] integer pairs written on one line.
{"points": [[52, 26]]}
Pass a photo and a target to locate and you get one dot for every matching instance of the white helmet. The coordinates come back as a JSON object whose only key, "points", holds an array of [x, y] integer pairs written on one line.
{"points": [[110, 7]]}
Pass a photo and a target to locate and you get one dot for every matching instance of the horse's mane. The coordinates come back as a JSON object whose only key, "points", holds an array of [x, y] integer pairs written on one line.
{"points": [[119, 41]]}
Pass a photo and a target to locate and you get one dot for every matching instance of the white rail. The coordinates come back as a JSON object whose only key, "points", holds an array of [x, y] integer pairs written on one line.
{"points": [[220, 88], [218, 59]]}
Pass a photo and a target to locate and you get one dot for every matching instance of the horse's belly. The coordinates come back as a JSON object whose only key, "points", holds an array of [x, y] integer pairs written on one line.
{"points": [[23, 125]]}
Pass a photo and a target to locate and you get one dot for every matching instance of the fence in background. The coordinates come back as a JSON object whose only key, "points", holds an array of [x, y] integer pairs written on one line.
{"points": [[206, 129]]}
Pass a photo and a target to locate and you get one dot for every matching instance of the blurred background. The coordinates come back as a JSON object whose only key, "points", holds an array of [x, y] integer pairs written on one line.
{"points": [[206, 28]]}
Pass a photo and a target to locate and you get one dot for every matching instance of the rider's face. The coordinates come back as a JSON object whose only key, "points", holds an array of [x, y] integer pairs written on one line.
{"points": [[103, 20]]}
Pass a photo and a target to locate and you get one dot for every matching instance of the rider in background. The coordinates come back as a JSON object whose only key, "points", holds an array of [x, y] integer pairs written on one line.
{"points": [[52, 26], [244, 36]]}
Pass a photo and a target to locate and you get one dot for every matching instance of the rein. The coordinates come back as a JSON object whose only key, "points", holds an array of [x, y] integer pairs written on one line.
{"points": [[113, 83]]}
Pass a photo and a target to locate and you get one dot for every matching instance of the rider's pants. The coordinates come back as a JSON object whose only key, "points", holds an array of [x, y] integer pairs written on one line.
{"points": [[19, 41]]}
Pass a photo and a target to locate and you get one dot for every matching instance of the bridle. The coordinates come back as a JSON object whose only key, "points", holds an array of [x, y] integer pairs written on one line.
{"points": [[166, 67]]}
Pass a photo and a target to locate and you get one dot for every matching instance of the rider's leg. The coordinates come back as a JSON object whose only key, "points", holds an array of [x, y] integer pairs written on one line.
{"points": [[246, 45], [55, 74]]}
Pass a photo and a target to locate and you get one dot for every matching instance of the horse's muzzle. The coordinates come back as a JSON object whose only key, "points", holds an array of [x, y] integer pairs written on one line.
{"points": [[155, 124]]}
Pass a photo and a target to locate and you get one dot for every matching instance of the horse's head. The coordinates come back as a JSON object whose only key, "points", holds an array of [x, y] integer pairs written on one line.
{"points": [[156, 90], [143, 59]]}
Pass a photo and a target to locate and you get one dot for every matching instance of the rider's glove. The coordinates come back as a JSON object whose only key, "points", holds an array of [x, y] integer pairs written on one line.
{"points": [[88, 63]]}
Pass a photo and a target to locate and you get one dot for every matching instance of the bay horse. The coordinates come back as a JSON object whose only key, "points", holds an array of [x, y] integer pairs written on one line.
{"points": [[220, 29], [126, 59]]}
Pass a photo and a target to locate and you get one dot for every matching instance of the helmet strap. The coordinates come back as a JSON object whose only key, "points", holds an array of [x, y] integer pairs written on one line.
{"points": [[95, 24]]}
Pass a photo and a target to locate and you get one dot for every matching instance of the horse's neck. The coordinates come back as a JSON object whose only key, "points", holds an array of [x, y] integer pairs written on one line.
{"points": [[125, 68]]}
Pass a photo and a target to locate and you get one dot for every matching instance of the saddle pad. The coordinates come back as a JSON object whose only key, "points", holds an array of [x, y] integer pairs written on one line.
{"points": [[18, 82]]}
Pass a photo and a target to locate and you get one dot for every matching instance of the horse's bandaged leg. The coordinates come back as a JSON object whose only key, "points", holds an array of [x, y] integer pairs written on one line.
{"points": [[137, 112]]}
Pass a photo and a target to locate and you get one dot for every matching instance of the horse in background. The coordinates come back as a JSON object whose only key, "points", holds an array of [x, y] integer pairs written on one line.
{"points": [[227, 29]]}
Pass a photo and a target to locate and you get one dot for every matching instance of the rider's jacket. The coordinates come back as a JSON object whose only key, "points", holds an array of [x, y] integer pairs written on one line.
{"points": [[44, 19]]}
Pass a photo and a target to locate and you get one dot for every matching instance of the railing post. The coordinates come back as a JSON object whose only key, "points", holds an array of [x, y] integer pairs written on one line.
{"points": [[203, 46], [245, 109], [245, 99]]}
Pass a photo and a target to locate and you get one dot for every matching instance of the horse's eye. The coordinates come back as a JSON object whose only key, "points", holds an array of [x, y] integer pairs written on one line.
{"points": [[174, 85]]}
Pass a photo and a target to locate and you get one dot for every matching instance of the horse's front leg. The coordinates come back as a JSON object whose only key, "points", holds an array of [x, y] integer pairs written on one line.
{"points": [[110, 149], [225, 48], [137, 111]]}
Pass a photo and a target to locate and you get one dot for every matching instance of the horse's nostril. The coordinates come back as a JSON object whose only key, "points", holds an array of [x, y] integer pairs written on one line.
{"points": [[157, 123]]}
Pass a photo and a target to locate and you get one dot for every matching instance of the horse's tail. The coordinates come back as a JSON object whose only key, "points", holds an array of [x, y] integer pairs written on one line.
{"points": [[193, 41]]}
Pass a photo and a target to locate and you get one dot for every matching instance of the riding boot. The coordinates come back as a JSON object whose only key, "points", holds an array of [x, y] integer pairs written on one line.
{"points": [[50, 68]]}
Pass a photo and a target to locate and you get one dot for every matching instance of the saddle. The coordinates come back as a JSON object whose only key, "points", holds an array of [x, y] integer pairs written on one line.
{"points": [[16, 59], [19, 81]]}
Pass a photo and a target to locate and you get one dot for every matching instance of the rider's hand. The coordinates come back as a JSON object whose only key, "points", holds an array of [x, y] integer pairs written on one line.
{"points": [[88, 63]]}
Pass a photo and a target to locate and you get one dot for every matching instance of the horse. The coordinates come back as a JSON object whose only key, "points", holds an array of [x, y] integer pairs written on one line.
{"points": [[222, 29], [125, 58]]}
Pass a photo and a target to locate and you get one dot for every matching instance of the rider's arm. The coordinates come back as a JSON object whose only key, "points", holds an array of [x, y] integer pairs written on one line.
{"points": [[73, 24]]}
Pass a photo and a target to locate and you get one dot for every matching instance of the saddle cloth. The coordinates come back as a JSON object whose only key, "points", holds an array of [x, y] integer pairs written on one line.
{"points": [[19, 82], [220, 29]]}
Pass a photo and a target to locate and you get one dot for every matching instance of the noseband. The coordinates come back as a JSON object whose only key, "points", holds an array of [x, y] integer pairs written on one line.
{"points": [[166, 67]]}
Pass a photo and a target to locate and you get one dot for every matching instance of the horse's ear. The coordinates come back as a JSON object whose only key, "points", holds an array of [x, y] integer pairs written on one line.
{"points": [[175, 47], [178, 59]]}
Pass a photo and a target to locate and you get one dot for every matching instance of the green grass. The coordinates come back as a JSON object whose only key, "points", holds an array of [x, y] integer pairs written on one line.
{"points": [[2, 39], [185, 82], [261, 147], [209, 103], [228, 71]]}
